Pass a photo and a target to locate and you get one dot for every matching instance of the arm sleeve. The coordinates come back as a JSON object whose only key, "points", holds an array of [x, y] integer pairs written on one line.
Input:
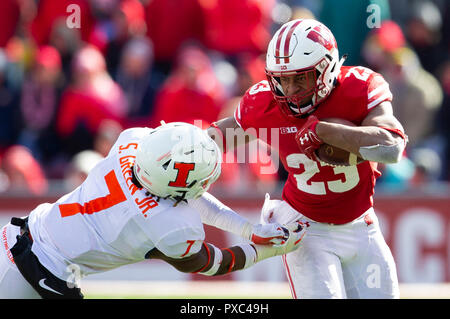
{"points": [[210, 260], [181, 243], [215, 213]]}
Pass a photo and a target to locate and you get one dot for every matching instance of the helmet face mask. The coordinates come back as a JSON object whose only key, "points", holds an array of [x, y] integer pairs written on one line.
{"points": [[302, 100], [302, 47], [177, 160]]}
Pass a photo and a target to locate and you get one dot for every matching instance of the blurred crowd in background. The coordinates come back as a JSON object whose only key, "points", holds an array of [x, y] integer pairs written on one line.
{"points": [[73, 77]]}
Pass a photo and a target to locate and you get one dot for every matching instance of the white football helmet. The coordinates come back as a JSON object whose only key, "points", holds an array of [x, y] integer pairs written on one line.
{"points": [[303, 47], [177, 160]]}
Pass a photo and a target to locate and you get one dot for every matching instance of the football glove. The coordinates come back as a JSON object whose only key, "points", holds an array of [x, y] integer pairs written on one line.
{"points": [[269, 234], [307, 139], [297, 231]]}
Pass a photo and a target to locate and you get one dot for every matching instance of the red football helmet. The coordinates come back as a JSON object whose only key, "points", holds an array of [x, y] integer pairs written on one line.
{"points": [[307, 49]]}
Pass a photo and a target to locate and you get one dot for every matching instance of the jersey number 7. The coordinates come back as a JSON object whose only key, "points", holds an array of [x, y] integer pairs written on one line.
{"points": [[114, 197]]}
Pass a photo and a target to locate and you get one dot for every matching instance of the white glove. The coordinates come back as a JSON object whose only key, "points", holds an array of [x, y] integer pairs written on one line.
{"points": [[268, 209], [297, 231], [269, 234]]}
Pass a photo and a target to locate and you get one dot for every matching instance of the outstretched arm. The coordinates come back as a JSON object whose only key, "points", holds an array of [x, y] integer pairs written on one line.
{"points": [[212, 261], [215, 213]]}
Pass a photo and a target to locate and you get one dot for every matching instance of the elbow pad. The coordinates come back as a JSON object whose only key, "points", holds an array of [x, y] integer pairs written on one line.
{"points": [[386, 154]]}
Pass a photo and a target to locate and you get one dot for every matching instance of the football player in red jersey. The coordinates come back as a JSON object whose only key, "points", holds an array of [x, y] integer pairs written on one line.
{"points": [[345, 254]]}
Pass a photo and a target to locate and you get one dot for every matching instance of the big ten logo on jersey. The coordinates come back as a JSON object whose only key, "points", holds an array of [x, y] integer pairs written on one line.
{"points": [[288, 130], [126, 162]]}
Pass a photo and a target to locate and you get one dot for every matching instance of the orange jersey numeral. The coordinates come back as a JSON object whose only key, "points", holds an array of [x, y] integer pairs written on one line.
{"points": [[114, 197]]}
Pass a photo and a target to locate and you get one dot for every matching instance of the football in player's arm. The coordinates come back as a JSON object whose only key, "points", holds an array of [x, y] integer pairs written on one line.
{"points": [[379, 138]]}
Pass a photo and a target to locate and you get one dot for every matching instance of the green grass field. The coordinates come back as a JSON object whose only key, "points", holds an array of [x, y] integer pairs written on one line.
{"points": [[226, 290], [184, 290]]}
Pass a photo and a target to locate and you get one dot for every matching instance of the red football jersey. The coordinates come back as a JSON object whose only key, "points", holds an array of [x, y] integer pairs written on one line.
{"points": [[321, 192]]}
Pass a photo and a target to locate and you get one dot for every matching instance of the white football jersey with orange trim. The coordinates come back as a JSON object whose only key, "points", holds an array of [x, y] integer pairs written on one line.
{"points": [[108, 222]]}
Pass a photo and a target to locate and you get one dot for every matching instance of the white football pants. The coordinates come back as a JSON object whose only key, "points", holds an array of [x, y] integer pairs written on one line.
{"points": [[12, 283], [337, 261]]}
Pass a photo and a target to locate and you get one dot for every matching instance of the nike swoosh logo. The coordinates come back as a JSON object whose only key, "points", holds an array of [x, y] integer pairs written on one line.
{"points": [[43, 285]]}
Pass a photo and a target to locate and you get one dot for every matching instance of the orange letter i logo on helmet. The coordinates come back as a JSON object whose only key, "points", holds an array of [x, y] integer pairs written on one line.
{"points": [[182, 175]]}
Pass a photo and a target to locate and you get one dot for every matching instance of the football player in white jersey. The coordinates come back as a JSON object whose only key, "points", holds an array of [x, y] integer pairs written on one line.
{"points": [[146, 199]]}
